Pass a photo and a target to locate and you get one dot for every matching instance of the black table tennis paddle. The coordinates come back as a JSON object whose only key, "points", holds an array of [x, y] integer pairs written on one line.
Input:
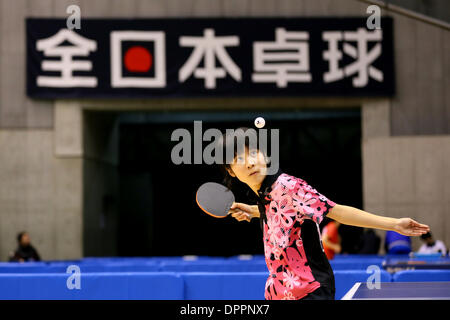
{"points": [[215, 199]]}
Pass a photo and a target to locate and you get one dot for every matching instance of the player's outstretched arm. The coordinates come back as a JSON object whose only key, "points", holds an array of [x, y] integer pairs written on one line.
{"points": [[359, 218]]}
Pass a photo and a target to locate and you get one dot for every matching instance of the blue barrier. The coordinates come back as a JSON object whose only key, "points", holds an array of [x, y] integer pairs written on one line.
{"points": [[88, 268], [121, 268], [427, 256], [175, 286], [421, 275], [177, 264], [102, 286], [134, 286], [216, 266], [357, 256], [355, 264], [133, 265], [225, 286], [123, 286], [149, 259], [344, 280], [25, 264], [29, 267], [166, 266], [176, 277]]}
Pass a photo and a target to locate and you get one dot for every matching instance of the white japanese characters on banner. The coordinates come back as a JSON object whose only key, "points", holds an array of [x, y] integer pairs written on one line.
{"points": [[208, 48], [139, 53], [284, 60], [52, 47], [363, 57], [215, 56]]}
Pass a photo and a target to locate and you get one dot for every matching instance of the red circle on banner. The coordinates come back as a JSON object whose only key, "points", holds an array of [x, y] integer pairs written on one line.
{"points": [[138, 59]]}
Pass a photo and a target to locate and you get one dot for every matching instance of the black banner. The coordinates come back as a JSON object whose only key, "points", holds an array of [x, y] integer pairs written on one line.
{"points": [[209, 57]]}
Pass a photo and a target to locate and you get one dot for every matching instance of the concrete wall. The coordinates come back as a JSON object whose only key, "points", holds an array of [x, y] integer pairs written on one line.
{"points": [[409, 177], [422, 103], [439, 9], [39, 193], [42, 152]]}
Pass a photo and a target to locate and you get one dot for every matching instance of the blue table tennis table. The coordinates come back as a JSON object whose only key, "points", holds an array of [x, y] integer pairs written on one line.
{"points": [[400, 291]]}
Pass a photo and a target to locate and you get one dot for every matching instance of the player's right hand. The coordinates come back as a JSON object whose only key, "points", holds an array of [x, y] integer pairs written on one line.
{"points": [[244, 212]]}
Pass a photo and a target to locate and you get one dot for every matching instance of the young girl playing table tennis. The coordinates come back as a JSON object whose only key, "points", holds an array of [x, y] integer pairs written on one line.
{"points": [[291, 211]]}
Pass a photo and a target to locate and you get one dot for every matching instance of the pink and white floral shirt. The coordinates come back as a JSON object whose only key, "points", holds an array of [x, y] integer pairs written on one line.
{"points": [[297, 265]]}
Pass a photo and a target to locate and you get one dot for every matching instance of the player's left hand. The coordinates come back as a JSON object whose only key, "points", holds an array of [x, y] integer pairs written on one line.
{"points": [[409, 227]]}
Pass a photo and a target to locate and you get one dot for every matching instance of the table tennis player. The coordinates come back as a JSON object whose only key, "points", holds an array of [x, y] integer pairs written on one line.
{"points": [[291, 211]]}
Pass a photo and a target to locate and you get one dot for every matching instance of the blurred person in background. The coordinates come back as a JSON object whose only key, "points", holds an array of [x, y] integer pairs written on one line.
{"points": [[397, 243], [25, 252], [432, 246], [331, 239]]}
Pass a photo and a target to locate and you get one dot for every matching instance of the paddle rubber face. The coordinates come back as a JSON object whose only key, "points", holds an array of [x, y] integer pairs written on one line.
{"points": [[215, 199]]}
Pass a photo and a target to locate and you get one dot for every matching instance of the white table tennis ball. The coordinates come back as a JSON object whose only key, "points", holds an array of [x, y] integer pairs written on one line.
{"points": [[260, 122]]}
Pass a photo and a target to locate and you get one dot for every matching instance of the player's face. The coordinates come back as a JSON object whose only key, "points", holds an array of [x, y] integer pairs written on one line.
{"points": [[250, 168]]}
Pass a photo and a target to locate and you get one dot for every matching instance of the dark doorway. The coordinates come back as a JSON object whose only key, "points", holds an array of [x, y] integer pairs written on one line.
{"points": [[158, 212]]}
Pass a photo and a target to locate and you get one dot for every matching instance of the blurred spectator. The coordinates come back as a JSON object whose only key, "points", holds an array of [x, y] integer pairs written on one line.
{"points": [[370, 242], [331, 239], [25, 251], [432, 246], [397, 243]]}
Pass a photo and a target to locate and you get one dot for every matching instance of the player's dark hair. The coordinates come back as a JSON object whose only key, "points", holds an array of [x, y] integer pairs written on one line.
{"points": [[20, 235], [231, 140]]}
